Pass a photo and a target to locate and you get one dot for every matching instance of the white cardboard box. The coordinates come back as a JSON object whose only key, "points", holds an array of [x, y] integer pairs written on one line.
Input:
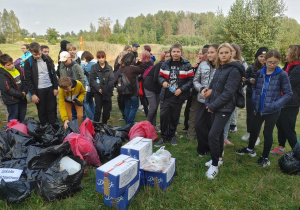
{"points": [[139, 148], [113, 178], [123, 200], [163, 179]]}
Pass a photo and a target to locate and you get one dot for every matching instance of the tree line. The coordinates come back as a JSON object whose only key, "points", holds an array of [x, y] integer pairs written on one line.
{"points": [[250, 23]]}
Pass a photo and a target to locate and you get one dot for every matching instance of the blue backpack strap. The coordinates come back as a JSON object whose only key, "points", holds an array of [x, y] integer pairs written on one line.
{"points": [[30, 64]]}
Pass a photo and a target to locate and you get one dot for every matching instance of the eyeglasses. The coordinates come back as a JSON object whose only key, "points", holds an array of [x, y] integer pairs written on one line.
{"points": [[272, 63], [23, 48]]}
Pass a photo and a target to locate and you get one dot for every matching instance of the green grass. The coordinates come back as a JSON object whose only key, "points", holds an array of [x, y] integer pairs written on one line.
{"points": [[240, 184]]}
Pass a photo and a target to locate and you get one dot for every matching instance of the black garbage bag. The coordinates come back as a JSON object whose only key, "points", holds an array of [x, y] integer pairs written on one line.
{"points": [[108, 147], [58, 184], [115, 131], [15, 163], [289, 164], [32, 126], [296, 151], [45, 157], [4, 148], [50, 135], [14, 192]]}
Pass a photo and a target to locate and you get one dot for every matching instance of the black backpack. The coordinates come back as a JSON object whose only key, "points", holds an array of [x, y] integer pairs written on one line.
{"points": [[124, 87]]}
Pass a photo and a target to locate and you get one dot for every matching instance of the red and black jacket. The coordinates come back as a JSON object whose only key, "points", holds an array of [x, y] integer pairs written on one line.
{"points": [[11, 92]]}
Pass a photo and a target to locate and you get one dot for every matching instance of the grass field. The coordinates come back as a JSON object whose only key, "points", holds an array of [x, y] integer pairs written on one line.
{"points": [[240, 184]]}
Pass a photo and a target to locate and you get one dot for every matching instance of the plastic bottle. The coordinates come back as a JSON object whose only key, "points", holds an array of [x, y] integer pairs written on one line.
{"points": [[172, 89], [98, 80], [68, 164]]}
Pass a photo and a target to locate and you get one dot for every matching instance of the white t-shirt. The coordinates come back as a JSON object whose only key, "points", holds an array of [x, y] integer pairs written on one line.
{"points": [[43, 76]]}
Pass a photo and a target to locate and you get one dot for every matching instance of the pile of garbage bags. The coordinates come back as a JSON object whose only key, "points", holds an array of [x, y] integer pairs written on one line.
{"points": [[37, 153], [290, 162]]}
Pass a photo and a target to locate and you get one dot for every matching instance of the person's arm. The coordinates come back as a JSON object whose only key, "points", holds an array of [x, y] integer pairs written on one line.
{"points": [[190, 77], [162, 80], [61, 105], [5, 88], [80, 74], [286, 89], [295, 76], [82, 93]]}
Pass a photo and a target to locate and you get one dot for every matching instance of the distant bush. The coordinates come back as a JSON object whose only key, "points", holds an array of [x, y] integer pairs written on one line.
{"points": [[2, 38], [185, 40], [118, 38], [52, 41]]}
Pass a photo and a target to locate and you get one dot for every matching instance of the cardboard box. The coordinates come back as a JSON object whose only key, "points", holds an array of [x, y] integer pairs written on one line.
{"points": [[123, 200], [163, 179], [142, 176], [113, 178], [139, 148]]}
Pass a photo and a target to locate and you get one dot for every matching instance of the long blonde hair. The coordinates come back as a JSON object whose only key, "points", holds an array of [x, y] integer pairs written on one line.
{"points": [[218, 61]]}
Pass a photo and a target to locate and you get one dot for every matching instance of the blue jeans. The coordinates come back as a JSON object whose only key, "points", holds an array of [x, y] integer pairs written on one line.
{"points": [[131, 107], [227, 126], [89, 105], [17, 111]]}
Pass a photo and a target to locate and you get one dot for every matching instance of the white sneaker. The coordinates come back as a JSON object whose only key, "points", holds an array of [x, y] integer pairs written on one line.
{"points": [[246, 136], [212, 172], [257, 141], [209, 163]]}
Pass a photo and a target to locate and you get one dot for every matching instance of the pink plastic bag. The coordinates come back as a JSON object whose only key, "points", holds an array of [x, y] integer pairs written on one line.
{"points": [[15, 124], [83, 148], [143, 129], [87, 129]]}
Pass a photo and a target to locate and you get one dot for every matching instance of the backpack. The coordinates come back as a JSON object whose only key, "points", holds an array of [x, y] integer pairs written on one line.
{"points": [[124, 87], [240, 97]]}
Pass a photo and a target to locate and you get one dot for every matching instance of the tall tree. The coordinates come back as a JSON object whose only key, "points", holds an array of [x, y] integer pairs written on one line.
{"points": [[15, 26], [104, 28], [117, 27], [52, 34], [186, 27], [167, 28]]}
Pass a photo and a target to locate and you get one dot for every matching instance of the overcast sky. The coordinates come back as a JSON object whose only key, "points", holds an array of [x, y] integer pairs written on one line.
{"points": [[73, 15]]}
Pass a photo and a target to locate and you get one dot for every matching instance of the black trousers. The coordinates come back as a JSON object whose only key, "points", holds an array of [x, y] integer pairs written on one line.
{"points": [[215, 136], [250, 111], [169, 116], [101, 104], [286, 126], [202, 127], [270, 121], [121, 104], [46, 106], [187, 112]]}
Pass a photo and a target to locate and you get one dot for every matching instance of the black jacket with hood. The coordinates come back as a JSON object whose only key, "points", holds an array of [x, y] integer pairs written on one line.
{"points": [[224, 85], [11, 92]]}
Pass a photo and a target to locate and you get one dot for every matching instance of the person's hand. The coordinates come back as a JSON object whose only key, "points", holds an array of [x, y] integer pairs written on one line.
{"points": [[138, 60], [55, 92], [165, 84], [177, 92], [208, 110], [203, 91], [35, 99], [66, 124], [24, 94], [207, 93], [244, 79], [23, 60], [100, 91], [252, 81]]}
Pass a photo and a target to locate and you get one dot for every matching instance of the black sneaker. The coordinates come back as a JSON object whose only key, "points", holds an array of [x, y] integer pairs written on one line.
{"points": [[245, 151], [173, 141], [232, 128], [263, 162], [159, 143]]}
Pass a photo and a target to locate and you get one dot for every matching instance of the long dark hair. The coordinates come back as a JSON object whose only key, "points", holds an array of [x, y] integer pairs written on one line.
{"points": [[127, 59], [257, 65]]}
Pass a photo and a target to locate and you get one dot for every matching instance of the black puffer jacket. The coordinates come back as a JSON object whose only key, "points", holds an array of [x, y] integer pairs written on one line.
{"points": [[294, 75], [250, 73], [106, 77], [151, 81], [31, 73], [185, 77], [11, 91], [224, 86]]}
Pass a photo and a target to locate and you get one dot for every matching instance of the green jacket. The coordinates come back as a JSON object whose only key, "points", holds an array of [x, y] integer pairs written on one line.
{"points": [[76, 72]]}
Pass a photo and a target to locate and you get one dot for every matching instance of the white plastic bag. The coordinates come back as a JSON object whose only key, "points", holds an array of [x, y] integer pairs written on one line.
{"points": [[158, 161]]}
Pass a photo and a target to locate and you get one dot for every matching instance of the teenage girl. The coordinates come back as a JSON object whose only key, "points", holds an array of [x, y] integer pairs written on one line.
{"points": [[220, 102], [271, 90]]}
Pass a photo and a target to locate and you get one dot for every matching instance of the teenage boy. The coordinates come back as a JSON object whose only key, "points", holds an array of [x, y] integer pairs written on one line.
{"points": [[71, 92], [176, 77], [45, 50], [12, 89], [70, 68], [41, 81], [135, 47], [71, 48]]}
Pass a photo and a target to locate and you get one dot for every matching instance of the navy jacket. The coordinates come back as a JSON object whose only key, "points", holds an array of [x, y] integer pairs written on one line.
{"points": [[279, 84], [224, 85]]}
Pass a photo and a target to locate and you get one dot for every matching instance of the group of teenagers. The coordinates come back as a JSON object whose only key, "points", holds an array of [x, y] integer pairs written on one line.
{"points": [[210, 86]]}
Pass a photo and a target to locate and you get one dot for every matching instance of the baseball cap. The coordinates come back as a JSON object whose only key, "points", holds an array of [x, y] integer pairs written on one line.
{"points": [[63, 56], [135, 45]]}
